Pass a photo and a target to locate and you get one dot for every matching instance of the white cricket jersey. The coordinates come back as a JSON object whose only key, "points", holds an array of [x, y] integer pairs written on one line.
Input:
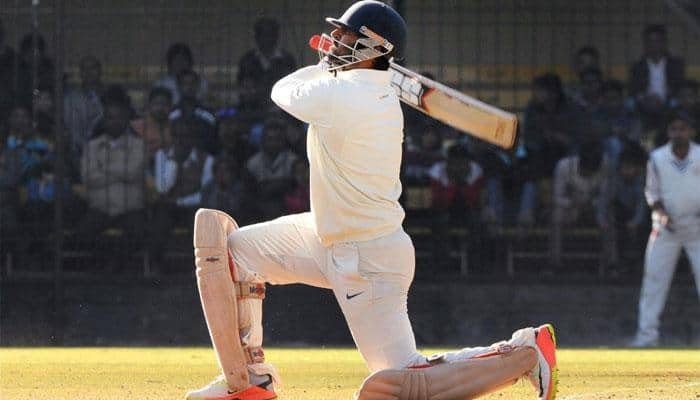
{"points": [[676, 183], [354, 145]]}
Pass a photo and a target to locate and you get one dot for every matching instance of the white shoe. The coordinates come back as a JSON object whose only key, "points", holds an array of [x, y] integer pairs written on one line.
{"points": [[543, 376], [641, 342], [218, 390], [523, 338]]}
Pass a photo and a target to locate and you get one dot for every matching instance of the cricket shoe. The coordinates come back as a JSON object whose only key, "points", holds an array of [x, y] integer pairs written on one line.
{"points": [[218, 390], [545, 375], [641, 342]]}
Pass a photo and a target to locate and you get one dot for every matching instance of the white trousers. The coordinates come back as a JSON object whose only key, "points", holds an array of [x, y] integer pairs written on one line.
{"points": [[370, 280], [663, 251]]}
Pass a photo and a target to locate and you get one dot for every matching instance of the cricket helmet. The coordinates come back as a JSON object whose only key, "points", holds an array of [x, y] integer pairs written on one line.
{"points": [[381, 31], [378, 18]]}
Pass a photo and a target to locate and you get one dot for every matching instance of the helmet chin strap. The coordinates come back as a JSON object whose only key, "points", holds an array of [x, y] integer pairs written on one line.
{"points": [[365, 48]]}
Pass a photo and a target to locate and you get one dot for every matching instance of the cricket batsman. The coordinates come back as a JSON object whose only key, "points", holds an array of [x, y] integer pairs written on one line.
{"points": [[352, 241]]}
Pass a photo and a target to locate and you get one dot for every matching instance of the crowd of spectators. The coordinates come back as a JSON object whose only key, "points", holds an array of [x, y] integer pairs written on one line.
{"points": [[580, 161], [143, 170]]}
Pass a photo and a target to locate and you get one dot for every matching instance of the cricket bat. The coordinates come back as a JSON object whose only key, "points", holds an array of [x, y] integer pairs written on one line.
{"points": [[450, 106]]}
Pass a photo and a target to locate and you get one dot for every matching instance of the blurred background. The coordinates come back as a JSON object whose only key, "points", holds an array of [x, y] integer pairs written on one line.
{"points": [[119, 119]]}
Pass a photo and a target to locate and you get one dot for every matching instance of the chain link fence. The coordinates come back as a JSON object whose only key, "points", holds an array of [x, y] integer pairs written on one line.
{"points": [[53, 101]]}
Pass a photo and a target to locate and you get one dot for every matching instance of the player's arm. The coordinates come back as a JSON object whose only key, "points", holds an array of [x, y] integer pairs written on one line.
{"points": [[652, 191], [308, 94]]}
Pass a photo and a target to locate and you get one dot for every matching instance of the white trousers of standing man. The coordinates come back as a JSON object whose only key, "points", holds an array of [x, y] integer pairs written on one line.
{"points": [[663, 250]]}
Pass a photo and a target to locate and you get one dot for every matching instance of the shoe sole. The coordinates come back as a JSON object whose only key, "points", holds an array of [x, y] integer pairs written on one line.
{"points": [[554, 371]]}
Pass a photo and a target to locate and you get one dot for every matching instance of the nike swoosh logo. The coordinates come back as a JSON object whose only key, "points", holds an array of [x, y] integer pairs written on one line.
{"points": [[348, 296]]}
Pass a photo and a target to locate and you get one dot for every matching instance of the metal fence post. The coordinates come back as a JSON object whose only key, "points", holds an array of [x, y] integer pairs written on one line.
{"points": [[59, 179]]}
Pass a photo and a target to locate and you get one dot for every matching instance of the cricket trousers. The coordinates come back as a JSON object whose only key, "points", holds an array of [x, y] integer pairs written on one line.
{"points": [[663, 250], [370, 280]]}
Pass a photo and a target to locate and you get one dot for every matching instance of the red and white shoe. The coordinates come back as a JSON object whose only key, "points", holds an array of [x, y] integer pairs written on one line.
{"points": [[219, 390], [545, 374]]}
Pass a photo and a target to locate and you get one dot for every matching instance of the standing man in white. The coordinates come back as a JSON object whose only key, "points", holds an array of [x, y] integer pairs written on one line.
{"points": [[352, 241], [672, 191]]}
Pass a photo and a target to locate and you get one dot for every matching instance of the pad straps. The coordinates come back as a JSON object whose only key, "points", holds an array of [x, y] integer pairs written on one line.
{"points": [[250, 290], [254, 355]]}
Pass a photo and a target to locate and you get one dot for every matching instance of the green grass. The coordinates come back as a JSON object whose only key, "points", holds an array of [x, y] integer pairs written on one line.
{"points": [[315, 374]]}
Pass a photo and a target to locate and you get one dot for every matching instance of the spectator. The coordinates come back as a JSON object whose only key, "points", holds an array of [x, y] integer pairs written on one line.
{"points": [[262, 66], [457, 185], [29, 51], [420, 157], [183, 168], [624, 123], [623, 205], [271, 168], [82, 107], [19, 126], [36, 143], [620, 125], [38, 158], [656, 77], [190, 107], [673, 177], [181, 172], [587, 57], [179, 58], [27, 155], [155, 127], [548, 123], [113, 94], [588, 98], [233, 134], [577, 187], [40, 187], [230, 191], [688, 99], [548, 136], [297, 199], [498, 173], [44, 131], [8, 58], [113, 169]]}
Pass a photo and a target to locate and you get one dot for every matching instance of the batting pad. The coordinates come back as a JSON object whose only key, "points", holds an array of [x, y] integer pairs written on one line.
{"points": [[217, 293], [449, 381]]}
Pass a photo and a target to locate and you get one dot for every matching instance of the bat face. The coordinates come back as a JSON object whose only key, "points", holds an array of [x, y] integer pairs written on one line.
{"points": [[453, 108]]}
